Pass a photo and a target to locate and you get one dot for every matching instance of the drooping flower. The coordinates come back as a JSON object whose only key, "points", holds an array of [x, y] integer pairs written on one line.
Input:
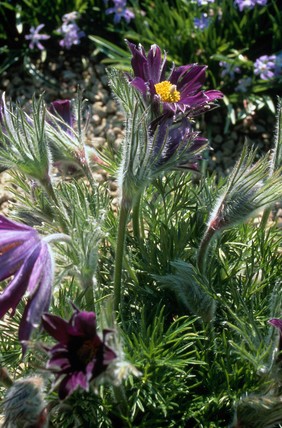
{"points": [[178, 92], [249, 4], [26, 258], [175, 143], [203, 22], [81, 355], [121, 11], [276, 322], [265, 66], [63, 110], [35, 37]]}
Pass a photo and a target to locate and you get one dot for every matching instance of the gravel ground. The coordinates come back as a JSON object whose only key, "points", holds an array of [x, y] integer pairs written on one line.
{"points": [[59, 78]]}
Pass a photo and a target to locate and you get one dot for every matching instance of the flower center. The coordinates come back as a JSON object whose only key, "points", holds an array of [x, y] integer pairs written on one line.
{"points": [[87, 351], [167, 92]]}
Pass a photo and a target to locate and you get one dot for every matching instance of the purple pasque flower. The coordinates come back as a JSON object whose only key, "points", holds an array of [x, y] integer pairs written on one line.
{"points": [[265, 66], [63, 110], [35, 37], [81, 355], [178, 92], [121, 11], [26, 258], [249, 4], [176, 143], [202, 23], [276, 322]]}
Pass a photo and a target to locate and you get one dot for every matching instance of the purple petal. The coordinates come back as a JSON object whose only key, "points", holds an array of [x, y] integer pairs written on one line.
{"points": [[12, 225], [140, 84], [14, 292], [14, 250], [71, 382], [40, 301], [276, 323], [84, 323], [57, 327], [62, 108], [156, 67]]}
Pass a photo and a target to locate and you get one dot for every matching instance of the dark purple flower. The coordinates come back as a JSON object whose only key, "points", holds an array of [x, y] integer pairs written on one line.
{"points": [[26, 258], [175, 142], [63, 110], [121, 11], [179, 92], [81, 355], [35, 37], [265, 66], [276, 322]]}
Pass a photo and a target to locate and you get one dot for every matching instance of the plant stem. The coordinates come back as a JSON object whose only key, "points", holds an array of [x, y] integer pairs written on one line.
{"points": [[135, 218], [203, 249], [265, 218], [120, 246]]}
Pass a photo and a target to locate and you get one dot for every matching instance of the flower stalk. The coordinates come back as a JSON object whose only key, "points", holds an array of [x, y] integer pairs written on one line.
{"points": [[120, 248]]}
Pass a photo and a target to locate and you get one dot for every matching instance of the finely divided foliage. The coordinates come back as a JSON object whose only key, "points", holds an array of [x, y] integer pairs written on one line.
{"points": [[155, 312]]}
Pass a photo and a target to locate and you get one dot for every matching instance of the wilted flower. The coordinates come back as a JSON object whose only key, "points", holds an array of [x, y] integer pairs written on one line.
{"points": [[179, 92], [81, 355], [249, 4], [35, 37], [202, 23], [26, 258], [121, 11], [265, 66]]}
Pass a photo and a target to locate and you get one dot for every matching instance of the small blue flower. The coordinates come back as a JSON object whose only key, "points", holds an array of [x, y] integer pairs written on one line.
{"points": [[70, 31], [265, 66], [35, 37], [121, 11], [202, 23], [249, 4], [229, 69], [244, 84]]}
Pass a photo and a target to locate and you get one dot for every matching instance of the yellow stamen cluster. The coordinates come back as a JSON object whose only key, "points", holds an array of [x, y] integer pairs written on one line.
{"points": [[167, 92]]}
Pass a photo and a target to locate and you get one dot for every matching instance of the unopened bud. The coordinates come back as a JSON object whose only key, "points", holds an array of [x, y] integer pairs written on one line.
{"points": [[24, 405]]}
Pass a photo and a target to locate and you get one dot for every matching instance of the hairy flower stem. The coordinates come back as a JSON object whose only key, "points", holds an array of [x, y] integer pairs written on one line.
{"points": [[120, 246], [47, 185], [265, 218], [121, 401], [136, 218], [203, 249]]}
